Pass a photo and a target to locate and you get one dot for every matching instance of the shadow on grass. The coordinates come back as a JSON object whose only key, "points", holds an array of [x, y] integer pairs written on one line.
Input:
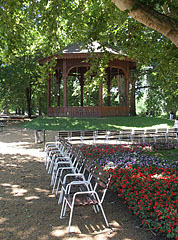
{"points": [[109, 123]]}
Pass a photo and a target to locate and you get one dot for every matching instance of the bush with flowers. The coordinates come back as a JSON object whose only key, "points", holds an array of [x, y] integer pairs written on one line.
{"points": [[149, 185]]}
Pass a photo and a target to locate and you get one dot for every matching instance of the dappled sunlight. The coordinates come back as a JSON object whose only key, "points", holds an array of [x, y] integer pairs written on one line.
{"points": [[59, 231], [16, 190], [5, 184], [31, 198], [164, 125], [30, 211], [42, 190], [96, 233], [16, 148], [3, 220]]}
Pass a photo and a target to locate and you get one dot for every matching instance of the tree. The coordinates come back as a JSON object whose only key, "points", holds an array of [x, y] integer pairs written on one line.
{"points": [[161, 16], [21, 86], [49, 25]]}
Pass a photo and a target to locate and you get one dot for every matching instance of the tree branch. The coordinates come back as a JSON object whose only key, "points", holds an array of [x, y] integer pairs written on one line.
{"points": [[151, 18], [143, 87]]}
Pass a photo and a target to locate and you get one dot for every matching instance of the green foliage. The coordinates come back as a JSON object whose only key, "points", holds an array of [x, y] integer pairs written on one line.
{"points": [[47, 26], [18, 78]]}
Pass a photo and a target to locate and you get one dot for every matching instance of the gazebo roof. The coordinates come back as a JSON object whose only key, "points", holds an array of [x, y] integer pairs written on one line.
{"points": [[94, 47], [78, 51]]}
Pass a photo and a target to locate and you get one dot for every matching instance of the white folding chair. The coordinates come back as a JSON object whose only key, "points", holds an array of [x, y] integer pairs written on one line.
{"points": [[84, 197], [64, 165], [81, 175]]}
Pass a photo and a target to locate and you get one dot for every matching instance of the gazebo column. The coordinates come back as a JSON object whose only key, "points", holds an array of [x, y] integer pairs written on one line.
{"points": [[81, 89], [64, 76], [127, 84], [58, 87], [109, 87], [49, 90]]}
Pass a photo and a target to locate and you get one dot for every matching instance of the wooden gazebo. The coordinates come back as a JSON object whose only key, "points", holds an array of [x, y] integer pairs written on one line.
{"points": [[72, 62]]}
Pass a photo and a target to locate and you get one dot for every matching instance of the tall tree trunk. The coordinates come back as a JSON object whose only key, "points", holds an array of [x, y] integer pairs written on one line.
{"points": [[28, 96], [39, 106], [150, 18], [23, 110], [19, 111], [132, 94]]}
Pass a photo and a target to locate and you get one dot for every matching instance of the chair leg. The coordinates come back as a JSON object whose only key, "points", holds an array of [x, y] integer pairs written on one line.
{"points": [[55, 180], [63, 209], [60, 196], [102, 210], [47, 162], [59, 181], [50, 167], [70, 218]]}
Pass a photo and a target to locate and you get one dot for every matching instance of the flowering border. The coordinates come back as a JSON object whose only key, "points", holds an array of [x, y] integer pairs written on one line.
{"points": [[149, 185]]}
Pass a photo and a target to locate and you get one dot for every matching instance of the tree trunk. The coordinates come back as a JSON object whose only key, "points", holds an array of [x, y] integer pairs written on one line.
{"points": [[151, 18], [23, 110], [19, 111], [132, 95], [39, 106], [28, 96]]}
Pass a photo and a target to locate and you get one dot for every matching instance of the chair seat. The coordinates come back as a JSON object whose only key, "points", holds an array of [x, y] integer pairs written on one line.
{"points": [[81, 200]]}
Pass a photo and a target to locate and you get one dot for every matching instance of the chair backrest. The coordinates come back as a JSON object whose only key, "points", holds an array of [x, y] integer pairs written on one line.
{"points": [[171, 130], [102, 179], [138, 131], [63, 134], [161, 130], [150, 131]]}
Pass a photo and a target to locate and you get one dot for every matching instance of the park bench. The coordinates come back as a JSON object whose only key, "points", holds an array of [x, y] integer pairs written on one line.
{"points": [[125, 135], [137, 135], [71, 136], [171, 135], [89, 136], [148, 136], [100, 135], [112, 136], [160, 135], [63, 134]]}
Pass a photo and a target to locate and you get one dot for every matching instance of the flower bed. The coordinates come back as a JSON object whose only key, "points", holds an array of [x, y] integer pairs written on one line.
{"points": [[124, 155], [151, 192], [148, 185]]}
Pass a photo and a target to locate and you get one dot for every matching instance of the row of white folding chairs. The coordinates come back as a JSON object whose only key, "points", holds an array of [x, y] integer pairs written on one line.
{"points": [[75, 166], [58, 150]]}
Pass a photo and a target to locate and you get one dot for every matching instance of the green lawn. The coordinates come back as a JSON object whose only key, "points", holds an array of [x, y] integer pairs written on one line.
{"points": [[170, 155], [109, 123]]}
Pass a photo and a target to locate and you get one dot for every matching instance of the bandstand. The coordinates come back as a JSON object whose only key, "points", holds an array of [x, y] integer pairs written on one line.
{"points": [[72, 63]]}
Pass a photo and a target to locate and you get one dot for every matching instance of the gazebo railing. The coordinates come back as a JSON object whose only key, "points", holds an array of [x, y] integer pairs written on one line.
{"points": [[104, 111]]}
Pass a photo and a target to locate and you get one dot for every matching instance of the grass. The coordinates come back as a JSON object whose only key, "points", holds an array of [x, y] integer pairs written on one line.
{"points": [[107, 123], [170, 155]]}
